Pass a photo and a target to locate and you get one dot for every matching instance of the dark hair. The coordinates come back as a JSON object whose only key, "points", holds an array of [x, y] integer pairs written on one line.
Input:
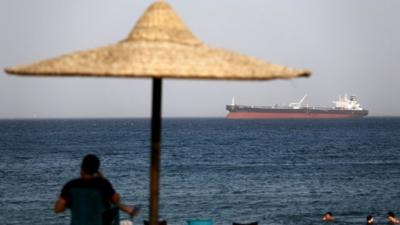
{"points": [[328, 213], [391, 214], [369, 217], [90, 164]]}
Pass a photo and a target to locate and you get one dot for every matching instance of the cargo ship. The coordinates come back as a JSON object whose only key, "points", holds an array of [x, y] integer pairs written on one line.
{"points": [[346, 107]]}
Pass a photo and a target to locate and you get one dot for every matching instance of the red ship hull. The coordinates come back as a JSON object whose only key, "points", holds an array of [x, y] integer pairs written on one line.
{"points": [[280, 115]]}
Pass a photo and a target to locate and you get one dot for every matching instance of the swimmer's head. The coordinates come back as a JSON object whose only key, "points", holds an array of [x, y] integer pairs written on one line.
{"points": [[370, 219], [328, 216]]}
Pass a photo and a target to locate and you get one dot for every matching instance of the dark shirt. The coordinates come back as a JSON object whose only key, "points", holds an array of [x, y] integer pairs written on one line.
{"points": [[97, 184]]}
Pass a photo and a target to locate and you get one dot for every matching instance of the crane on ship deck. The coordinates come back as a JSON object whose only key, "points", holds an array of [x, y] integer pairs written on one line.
{"points": [[297, 105]]}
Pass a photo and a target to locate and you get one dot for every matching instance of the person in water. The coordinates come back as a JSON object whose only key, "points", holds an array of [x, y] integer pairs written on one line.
{"points": [[328, 216], [370, 219], [392, 219], [91, 180]]}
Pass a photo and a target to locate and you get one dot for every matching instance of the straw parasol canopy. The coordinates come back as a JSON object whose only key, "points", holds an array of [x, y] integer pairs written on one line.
{"points": [[159, 46]]}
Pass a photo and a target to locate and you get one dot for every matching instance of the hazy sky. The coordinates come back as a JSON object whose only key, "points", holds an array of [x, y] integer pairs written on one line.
{"points": [[352, 46]]}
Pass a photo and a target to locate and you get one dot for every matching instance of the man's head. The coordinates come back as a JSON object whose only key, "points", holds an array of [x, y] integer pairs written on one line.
{"points": [[391, 214], [90, 164]]}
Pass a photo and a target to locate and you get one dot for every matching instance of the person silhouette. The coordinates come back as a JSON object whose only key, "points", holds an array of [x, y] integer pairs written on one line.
{"points": [[91, 196]]}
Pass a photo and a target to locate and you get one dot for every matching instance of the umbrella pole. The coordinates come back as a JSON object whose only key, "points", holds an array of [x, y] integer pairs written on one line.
{"points": [[155, 151]]}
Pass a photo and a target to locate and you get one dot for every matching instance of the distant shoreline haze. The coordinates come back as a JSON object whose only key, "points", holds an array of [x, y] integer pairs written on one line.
{"points": [[340, 41]]}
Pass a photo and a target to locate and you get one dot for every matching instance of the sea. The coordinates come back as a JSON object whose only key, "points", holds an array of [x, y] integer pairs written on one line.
{"points": [[275, 172]]}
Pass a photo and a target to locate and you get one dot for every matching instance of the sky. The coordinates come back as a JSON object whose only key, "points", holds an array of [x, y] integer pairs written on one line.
{"points": [[351, 46]]}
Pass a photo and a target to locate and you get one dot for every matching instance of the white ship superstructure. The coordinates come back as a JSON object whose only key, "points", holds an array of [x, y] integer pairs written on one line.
{"points": [[349, 103]]}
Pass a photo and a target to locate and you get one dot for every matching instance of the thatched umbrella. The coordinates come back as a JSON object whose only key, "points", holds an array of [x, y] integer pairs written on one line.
{"points": [[159, 46]]}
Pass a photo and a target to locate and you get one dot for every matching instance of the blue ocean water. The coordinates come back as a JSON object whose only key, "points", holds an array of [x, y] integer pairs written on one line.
{"points": [[273, 171]]}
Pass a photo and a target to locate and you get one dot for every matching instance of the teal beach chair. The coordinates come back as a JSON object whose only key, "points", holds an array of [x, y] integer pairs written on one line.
{"points": [[88, 208], [200, 222]]}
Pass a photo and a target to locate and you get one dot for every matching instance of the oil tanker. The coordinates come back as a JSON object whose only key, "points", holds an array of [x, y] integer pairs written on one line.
{"points": [[346, 107]]}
